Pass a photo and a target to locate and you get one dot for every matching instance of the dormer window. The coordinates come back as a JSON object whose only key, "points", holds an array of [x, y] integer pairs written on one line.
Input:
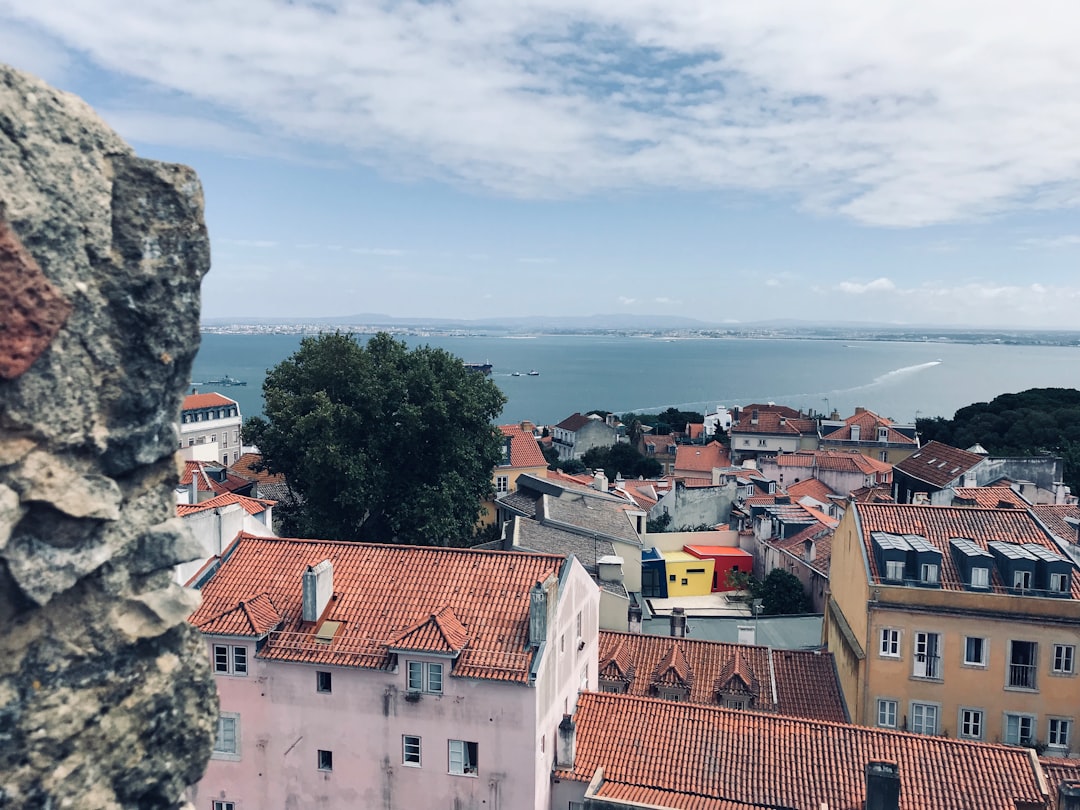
{"points": [[1060, 583], [928, 573], [883, 434], [735, 701], [425, 677], [894, 570], [980, 577], [1022, 580]]}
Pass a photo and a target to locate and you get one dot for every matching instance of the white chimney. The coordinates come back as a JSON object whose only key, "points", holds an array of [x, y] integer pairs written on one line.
{"points": [[567, 743], [599, 481], [747, 634], [678, 622], [318, 588], [610, 568], [633, 618]]}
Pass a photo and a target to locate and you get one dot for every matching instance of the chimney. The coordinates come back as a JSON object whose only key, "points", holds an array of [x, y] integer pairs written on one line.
{"points": [[633, 618], [809, 550], [753, 417], [567, 743], [1069, 795], [318, 588], [610, 568], [859, 410], [882, 786], [678, 622], [599, 481], [537, 615]]}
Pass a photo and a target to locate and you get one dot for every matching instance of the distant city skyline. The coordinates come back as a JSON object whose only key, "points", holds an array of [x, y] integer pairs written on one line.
{"points": [[905, 163]]}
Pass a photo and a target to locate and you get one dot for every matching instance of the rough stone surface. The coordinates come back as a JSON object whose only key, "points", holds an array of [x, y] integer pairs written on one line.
{"points": [[106, 697]]}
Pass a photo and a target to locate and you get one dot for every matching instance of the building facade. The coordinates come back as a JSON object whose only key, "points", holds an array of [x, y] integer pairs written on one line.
{"points": [[210, 428]]}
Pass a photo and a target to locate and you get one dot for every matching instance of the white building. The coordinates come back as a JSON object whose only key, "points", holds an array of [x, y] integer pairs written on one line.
{"points": [[210, 428]]}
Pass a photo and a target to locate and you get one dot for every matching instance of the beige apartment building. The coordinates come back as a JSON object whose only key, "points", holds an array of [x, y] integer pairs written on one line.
{"points": [[960, 622]]}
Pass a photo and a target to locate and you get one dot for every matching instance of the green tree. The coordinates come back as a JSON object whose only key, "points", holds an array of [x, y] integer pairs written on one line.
{"points": [[781, 593], [379, 443], [621, 458], [551, 456]]}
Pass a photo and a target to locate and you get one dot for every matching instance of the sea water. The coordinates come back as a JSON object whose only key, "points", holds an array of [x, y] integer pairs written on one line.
{"points": [[621, 374]]}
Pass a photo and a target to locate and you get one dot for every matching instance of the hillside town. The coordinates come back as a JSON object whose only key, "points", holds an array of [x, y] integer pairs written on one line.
{"points": [[581, 657]]}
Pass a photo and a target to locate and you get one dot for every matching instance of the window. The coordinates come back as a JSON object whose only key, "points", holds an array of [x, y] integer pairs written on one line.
{"points": [[1064, 659], [1019, 728], [929, 573], [1023, 660], [425, 677], [218, 805], [235, 435], [890, 643], [1057, 732], [762, 442], [924, 718], [213, 438], [612, 687], [971, 724], [1022, 580], [579, 626], [323, 682], [975, 651], [410, 750], [229, 660], [502, 483], [227, 742], [224, 440], [886, 713], [685, 581], [980, 577], [1059, 583], [326, 760], [671, 577], [894, 570], [883, 455], [462, 758], [927, 655]]}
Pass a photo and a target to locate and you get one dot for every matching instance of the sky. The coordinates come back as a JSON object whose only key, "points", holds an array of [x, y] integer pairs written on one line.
{"points": [[892, 162]]}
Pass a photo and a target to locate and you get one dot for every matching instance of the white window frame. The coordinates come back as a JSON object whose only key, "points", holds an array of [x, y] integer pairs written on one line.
{"points": [[412, 746], [887, 713], [1022, 580], [889, 643], [458, 761], [921, 726], [930, 652], [1063, 661], [983, 578], [420, 676], [502, 483], [228, 726], [230, 659], [971, 724], [220, 805], [1058, 732], [983, 649], [891, 568], [930, 573], [1059, 583], [1020, 717]]}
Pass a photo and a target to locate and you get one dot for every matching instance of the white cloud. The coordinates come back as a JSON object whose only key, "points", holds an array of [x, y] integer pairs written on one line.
{"points": [[624, 301], [893, 113], [857, 288]]}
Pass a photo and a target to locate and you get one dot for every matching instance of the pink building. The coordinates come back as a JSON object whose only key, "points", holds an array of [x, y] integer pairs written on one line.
{"points": [[355, 675]]}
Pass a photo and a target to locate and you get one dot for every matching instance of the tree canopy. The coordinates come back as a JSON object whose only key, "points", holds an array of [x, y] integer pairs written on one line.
{"points": [[379, 443], [621, 458], [665, 422], [1034, 422]]}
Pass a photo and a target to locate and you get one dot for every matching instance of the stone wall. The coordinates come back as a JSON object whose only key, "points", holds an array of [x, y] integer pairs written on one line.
{"points": [[106, 699]]}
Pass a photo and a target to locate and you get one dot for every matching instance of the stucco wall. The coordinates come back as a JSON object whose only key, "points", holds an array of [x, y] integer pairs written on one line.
{"points": [[849, 587]]}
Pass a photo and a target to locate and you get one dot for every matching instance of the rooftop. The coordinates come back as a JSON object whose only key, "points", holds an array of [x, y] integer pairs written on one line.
{"points": [[252, 506], [194, 402], [524, 451], [696, 458], [938, 464], [380, 594]]}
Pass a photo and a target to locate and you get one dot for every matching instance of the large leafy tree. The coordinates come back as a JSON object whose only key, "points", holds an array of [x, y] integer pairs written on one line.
{"points": [[621, 458], [379, 443]]}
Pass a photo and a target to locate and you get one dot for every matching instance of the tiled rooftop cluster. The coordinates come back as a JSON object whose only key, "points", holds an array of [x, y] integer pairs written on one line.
{"points": [[252, 506], [383, 596], [869, 425], [938, 464], [795, 683], [684, 755], [524, 451], [839, 460]]}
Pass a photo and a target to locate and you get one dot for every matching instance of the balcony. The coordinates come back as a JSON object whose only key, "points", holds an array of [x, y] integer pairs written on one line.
{"points": [[1022, 676], [927, 666]]}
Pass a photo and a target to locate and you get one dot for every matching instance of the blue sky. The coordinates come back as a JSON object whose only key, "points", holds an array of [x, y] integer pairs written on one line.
{"points": [[897, 162]]}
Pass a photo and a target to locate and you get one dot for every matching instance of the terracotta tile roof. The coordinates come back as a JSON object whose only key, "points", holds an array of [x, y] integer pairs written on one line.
{"points": [[774, 424], [524, 451], [796, 546], [937, 463], [673, 669], [989, 497], [193, 402], [768, 407], [1058, 771], [868, 423], [834, 460], [245, 467], [810, 487], [661, 444], [695, 458], [440, 632], [637, 796], [940, 524], [643, 493], [574, 422], [695, 430], [801, 683], [256, 616], [572, 481], [736, 676], [688, 753], [1053, 517], [874, 494], [208, 475], [252, 506], [380, 593]]}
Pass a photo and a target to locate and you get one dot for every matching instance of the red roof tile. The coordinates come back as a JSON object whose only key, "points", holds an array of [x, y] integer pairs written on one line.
{"points": [[441, 632], [695, 430], [774, 424], [246, 465], [1058, 771], [673, 669], [686, 753], [193, 402], [810, 487], [868, 423], [252, 506], [937, 463], [796, 546], [381, 592], [990, 497], [208, 482], [574, 422], [834, 460], [695, 458], [1053, 517], [524, 451]]}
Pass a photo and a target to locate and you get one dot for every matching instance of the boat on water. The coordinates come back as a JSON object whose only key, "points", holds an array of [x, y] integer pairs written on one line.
{"points": [[483, 368], [224, 380], [534, 373], [515, 374]]}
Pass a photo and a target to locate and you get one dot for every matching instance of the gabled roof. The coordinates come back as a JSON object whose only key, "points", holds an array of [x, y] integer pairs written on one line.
{"points": [[1058, 771], [245, 467], [768, 407], [801, 684], [382, 594], [989, 497], [822, 537], [686, 755], [937, 464], [524, 451], [252, 506], [940, 524], [868, 423], [774, 423], [440, 632], [256, 616], [660, 444], [695, 430], [210, 483], [574, 422], [673, 669], [874, 494], [834, 460], [194, 402], [696, 458], [810, 487], [1053, 516]]}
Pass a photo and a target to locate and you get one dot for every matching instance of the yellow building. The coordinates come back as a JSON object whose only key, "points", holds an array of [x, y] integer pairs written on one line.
{"points": [[687, 575], [956, 621], [521, 454]]}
